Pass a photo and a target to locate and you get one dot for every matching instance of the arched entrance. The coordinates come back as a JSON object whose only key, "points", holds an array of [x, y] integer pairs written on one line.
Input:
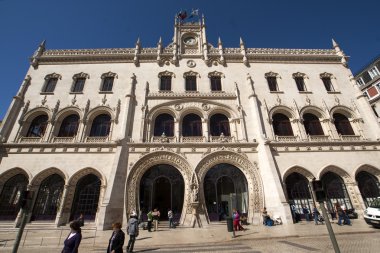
{"points": [[298, 190], [162, 187], [86, 198], [48, 198], [335, 191], [10, 195], [225, 188], [369, 187]]}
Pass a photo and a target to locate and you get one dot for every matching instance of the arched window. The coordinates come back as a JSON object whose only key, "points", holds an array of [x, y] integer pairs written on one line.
{"points": [[281, 125], [192, 125], [69, 126], [49, 198], [101, 125], [369, 186], [335, 190], [219, 124], [342, 124], [38, 126], [10, 196], [312, 124], [164, 123], [299, 194], [86, 197]]}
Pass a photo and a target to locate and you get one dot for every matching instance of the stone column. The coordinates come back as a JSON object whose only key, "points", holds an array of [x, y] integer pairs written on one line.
{"points": [[59, 220], [205, 130]]}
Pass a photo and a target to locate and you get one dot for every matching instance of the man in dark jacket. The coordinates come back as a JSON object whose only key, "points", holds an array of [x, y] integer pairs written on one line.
{"points": [[133, 231], [116, 242]]}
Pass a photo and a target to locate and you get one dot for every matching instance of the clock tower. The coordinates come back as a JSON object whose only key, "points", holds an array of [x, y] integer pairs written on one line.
{"points": [[190, 38]]}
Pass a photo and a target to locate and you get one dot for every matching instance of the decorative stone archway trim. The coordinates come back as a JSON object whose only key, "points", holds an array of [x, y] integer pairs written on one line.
{"points": [[250, 171], [5, 176], [368, 168], [137, 171], [37, 179], [300, 170]]}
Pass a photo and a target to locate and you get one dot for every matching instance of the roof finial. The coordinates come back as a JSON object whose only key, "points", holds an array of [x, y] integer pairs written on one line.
{"points": [[334, 43], [241, 42], [203, 20], [219, 41], [138, 41]]}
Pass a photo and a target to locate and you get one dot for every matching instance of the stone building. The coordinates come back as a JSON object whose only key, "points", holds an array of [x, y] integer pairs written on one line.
{"points": [[368, 80], [194, 127]]}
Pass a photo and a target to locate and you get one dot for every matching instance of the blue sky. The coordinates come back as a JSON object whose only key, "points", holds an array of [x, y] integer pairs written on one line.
{"points": [[75, 24]]}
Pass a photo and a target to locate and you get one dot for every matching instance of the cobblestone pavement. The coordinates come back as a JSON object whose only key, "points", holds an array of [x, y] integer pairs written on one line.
{"points": [[350, 243]]}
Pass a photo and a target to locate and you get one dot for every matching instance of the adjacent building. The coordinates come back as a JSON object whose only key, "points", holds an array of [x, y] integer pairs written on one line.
{"points": [[190, 126], [368, 80]]}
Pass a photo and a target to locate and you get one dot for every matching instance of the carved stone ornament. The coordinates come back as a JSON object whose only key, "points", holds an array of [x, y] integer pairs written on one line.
{"points": [[178, 107], [81, 75], [191, 63], [299, 74], [271, 74], [109, 74], [44, 100], [308, 100], [191, 73], [216, 73], [205, 107], [325, 75], [74, 100], [166, 73], [336, 99], [53, 75]]}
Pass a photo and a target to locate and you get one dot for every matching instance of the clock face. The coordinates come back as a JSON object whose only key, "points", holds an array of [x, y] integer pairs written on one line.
{"points": [[191, 40]]}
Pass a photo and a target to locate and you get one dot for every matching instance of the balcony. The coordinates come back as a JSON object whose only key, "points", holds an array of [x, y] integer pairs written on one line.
{"points": [[287, 138], [56, 139], [30, 139], [96, 139], [351, 137], [318, 138], [193, 139]]}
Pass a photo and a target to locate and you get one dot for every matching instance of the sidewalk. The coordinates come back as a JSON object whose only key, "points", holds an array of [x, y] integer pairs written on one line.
{"points": [[93, 240]]}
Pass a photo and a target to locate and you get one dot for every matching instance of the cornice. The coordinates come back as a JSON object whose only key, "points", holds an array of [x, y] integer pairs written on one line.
{"points": [[170, 94], [150, 55]]}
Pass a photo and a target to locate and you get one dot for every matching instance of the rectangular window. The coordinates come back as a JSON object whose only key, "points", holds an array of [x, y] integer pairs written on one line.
{"points": [[373, 72], [166, 83], [79, 85], [272, 83], [107, 84], [360, 81], [191, 83], [300, 83], [50, 85], [216, 83], [327, 83]]}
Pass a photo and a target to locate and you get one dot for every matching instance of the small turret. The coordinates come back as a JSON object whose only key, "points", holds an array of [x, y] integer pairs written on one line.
{"points": [[339, 52], [159, 50], [220, 47], [137, 51], [243, 52], [37, 54]]}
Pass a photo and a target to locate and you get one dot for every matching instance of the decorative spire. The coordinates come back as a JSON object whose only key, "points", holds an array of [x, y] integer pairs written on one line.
{"points": [[243, 52], [219, 41], [241, 42], [334, 43], [137, 52], [203, 20], [138, 42], [37, 54], [340, 53]]}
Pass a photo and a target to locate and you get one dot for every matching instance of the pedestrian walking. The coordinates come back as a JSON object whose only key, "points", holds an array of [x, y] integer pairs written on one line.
{"points": [[236, 220], [150, 220], [116, 242], [306, 212], [132, 231], [316, 215], [170, 216], [156, 217], [341, 215], [71, 244]]}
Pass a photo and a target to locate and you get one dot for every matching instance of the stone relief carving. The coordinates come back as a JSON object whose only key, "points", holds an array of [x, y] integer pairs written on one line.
{"points": [[191, 63]]}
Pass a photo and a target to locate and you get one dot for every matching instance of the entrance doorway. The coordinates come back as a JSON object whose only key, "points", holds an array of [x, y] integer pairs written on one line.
{"points": [[225, 188], [162, 187]]}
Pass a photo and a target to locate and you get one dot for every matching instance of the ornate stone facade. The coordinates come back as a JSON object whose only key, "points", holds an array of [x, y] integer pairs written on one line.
{"points": [[118, 135]]}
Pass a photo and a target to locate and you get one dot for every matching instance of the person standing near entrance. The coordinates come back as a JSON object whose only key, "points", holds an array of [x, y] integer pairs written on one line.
{"points": [[150, 220], [132, 231], [116, 241], [170, 216], [156, 216], [71, 244]]}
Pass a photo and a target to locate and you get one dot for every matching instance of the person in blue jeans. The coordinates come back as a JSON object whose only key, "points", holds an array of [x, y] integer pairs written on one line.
{"points": [[315, 214], [341, 215], [305, 211]]}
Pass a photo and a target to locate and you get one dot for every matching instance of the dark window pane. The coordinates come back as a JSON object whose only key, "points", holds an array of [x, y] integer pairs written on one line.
{"points": [[69, 126], [50, 85], [191, 83], [312, 124], [164, 123], [38, 126], [192, 125], [281, 125], [327, 83], [216, 83], [335, 190], [79, 85], [166, 83], [366, 77], [272, 83], [219, 124], [107, 84], [342, 124], [101, 125], [300, 83], [10, 196]]}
